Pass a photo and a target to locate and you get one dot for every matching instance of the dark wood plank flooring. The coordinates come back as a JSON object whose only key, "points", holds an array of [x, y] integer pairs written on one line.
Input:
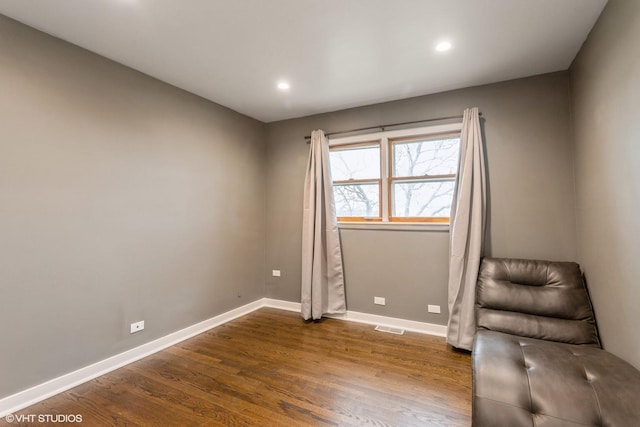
{"points": [[270, 368]]}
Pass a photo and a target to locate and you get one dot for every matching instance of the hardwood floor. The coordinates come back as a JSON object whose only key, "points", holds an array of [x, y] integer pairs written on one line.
{"points": [[270, 368]]}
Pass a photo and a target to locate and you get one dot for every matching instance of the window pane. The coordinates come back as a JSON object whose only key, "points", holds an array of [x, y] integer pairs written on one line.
{"points": [[426, 157], [423, 199], [355, 163], [360, 200]]}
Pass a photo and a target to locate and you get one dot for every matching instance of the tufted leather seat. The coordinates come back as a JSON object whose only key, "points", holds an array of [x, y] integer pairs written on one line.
{"points": [[537, 359]]}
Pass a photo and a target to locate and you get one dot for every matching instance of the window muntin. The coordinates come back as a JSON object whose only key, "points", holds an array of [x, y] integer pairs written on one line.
{"points": [[404, 176]]}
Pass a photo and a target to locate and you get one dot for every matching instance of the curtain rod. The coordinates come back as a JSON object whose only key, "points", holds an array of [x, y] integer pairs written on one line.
{"points": [[308, 137]]}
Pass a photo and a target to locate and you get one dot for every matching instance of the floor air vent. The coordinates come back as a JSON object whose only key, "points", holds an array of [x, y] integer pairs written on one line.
{"points": [[389, 330]]}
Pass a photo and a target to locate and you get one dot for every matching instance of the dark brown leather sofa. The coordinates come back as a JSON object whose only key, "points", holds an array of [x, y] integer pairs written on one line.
{"points": [[537, 358]]}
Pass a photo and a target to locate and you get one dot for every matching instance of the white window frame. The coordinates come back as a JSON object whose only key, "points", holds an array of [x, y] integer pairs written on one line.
{"points": [[383, 137]]}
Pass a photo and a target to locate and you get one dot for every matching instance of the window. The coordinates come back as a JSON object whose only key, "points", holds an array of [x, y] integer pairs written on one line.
{"points": [[398, 176], [355, 170]]}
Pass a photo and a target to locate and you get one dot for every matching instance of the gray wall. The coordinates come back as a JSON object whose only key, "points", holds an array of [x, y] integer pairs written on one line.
{"points": [[121, 199], [532, 213], [605, 80]]}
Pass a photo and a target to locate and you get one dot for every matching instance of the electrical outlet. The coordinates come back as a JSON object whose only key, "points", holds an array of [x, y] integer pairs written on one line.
{"points": [[433, 308], [137, 327], [379, 301], [275, 273]]}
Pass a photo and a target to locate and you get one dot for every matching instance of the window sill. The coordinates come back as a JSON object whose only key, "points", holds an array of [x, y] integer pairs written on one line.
{"points": [[395, 226]]}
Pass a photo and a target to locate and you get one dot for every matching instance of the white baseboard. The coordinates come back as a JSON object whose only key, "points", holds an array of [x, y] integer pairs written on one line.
{"points": [[33, 395], [282, 305], [394, 322], [370, 319]]}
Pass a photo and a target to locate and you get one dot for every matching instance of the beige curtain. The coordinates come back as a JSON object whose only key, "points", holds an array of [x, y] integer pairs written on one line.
{"points": [[322, 272], [468, 218]]}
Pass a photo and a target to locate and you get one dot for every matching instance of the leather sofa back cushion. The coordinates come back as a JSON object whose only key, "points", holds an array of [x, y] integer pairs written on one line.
{"points": [[536, 299]]}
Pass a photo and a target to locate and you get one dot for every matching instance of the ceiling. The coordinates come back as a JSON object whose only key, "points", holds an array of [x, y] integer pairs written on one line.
{"points": [[334, 53]]}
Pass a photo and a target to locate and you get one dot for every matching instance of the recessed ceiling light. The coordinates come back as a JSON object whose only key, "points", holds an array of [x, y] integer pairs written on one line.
{"points": [[283, 86], [443, 46]]}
